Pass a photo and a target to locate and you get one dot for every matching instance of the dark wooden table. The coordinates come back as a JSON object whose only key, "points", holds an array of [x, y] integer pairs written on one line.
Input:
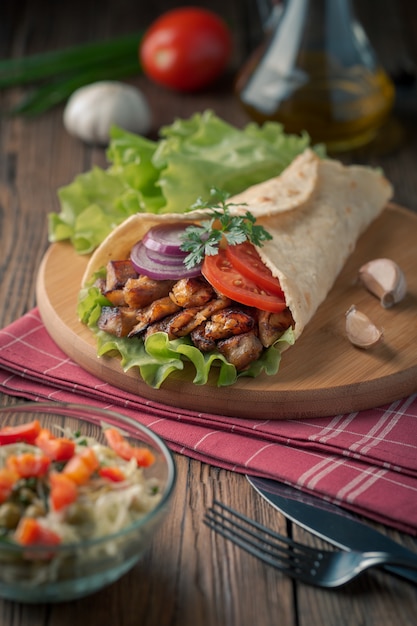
{"points": [[188, 576]]}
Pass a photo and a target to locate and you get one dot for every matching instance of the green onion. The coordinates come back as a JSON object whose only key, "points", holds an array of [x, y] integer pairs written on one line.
{"points": [[61, 72], [57, 91], [39, 66]]}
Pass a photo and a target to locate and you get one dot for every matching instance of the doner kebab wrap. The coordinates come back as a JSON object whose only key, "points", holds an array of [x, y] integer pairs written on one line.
{"points": [[314, 213]]}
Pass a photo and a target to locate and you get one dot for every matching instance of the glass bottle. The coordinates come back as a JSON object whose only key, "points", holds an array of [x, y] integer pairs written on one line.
{"points": [[316, 71]]}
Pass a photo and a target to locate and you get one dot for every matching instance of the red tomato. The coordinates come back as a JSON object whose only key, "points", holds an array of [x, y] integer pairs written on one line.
{"points": [[112, 473], [80, 467], [56, 448], [143, 456], [246, 259], [125, 450], [186, 49], [224, 277], [28, 465], [24, 432], [8, 478], [63, 491], [30, 532], [118, 443]]}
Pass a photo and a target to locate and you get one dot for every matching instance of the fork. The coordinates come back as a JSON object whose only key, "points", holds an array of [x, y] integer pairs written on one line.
{"points": [[322, 568]]}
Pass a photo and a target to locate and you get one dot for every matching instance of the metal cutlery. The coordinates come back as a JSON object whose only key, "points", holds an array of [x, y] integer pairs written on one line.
{"points": [[321, 568], [330, 522]]}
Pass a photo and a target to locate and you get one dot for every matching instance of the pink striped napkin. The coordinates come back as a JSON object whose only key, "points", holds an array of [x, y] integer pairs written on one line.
{"points": [[366, 461]]}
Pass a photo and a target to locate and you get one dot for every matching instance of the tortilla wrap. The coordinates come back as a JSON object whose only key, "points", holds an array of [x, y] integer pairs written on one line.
{"points": [[315, 211]]}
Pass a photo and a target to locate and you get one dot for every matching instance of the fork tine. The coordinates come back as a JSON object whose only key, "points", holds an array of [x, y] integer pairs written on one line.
{"points": [[274, 549]]}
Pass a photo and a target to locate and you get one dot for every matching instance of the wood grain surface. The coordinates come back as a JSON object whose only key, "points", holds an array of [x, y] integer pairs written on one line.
{"points": [[189, 576], [322, 374]]}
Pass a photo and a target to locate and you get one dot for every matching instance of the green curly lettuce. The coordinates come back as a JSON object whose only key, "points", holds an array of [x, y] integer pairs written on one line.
{"points": [[169, 175]]}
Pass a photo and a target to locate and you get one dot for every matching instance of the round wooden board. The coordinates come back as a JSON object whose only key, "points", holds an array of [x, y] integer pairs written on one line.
{"points": [[323, 374]]}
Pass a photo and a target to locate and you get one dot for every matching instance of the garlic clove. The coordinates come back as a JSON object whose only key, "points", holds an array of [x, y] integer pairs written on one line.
{"points": [[385, 279], [360, 331], [92, 110]]}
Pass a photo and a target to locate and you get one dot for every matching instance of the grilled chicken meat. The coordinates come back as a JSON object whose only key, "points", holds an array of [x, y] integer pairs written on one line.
{"points": [[152, 313], [142, 291], [117, 320], [189, 306], [241, 350], [229, 321], [272, 325], [192, 292], [117, 273], [188, 319], [201, 341]]}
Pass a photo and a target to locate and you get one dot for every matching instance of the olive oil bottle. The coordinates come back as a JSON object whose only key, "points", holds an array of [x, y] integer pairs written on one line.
{"points": [[317, 72]]}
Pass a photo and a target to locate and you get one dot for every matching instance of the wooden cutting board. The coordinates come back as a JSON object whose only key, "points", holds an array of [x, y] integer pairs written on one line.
{"points": [[323, 374]]}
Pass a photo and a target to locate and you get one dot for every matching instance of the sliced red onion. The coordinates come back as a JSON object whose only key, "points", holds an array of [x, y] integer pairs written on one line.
{"points": [[168, 259], [165, 238], [160, 269]]}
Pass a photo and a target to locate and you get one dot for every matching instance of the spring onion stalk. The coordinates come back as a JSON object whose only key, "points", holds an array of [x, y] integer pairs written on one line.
{"points": [[45, 65], [59, 90]]}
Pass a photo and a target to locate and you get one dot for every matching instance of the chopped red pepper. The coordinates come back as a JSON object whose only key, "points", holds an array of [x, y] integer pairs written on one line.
{"points": [[80, 467], [112, 472], [63, 492], [25, 433], [56, 448], [144, 457], [28, 465], [30, 532], [8, 478]]}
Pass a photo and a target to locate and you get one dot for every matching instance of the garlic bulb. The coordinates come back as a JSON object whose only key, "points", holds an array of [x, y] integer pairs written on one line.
{"points": [[92, 110], [360, 330], [385, 279]]}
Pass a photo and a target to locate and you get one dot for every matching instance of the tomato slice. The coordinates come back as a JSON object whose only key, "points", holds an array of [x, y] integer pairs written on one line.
{"points": [[80, 467], [30, 532], [225, 278], [56, 448], [28, 465], [26, 433], [63, 492], [8, 478], [125, 450], [112, 473], [246, 259]]}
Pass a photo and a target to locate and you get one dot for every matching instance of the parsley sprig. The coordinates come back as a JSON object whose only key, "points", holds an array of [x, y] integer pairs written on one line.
{"points": [[204, 239]]}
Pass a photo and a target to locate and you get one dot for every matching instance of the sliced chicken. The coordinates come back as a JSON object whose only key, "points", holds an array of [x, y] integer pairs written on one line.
{"points": [[241, 350], [201, 341], [229, 321], [153, 313], [142, 291], [117, 321], [117, 273], [192, 292], [182, 323], [272, 325]]}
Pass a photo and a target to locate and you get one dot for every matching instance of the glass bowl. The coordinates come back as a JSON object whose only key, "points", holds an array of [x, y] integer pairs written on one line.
{"points": [[78, 568]]}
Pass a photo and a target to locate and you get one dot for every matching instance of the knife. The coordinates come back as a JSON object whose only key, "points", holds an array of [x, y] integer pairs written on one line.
{"points": [[330, 522]]}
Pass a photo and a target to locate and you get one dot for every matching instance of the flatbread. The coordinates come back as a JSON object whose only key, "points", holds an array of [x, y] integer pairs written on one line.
{"points": [[315, 211], [311, 244]]}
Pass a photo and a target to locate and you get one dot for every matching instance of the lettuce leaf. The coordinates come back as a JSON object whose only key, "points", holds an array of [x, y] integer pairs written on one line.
{"points": [[159, 357], [167, 176]]}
